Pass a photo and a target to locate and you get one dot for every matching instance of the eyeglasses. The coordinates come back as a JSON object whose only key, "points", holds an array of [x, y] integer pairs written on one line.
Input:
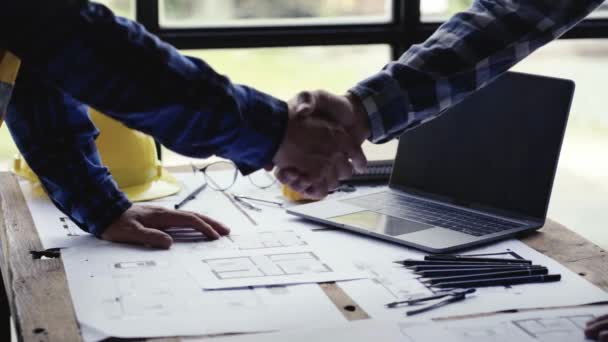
{"points": [[221, 176]]}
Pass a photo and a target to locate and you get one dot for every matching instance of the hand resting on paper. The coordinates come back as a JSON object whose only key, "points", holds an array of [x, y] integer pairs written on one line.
{"points": [[145, 225], [597, 329]]}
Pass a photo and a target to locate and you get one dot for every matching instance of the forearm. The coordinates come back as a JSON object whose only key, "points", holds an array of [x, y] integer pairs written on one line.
{"points": [[117, 67], [469, 51], [57, 139]]}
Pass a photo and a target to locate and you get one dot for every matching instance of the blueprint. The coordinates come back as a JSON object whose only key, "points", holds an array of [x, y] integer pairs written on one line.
{"points": [[54, 228], [388, 282], [128, 292], [566, 325], [279, 264]]}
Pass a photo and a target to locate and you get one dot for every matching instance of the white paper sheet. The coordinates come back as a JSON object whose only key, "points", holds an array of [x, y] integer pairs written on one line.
{"points": [[54, 228], [565, 325], [389, 282], [272, 214], [129, 292], [90, 334], [267, 261], [359, 331]]}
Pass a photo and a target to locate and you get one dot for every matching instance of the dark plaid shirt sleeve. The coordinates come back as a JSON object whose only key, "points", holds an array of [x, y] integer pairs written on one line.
{"points": [[116, 66], [469, 51], [91, 57], [57, 138]]}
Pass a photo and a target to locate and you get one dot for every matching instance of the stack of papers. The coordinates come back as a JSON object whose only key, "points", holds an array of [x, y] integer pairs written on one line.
{"points": [[263, 276]]}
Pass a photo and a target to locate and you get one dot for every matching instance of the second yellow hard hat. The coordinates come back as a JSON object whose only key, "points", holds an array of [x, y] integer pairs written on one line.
{"points": [[131, 158]]}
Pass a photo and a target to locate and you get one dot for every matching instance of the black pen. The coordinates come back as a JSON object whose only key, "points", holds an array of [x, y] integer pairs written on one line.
{"points": [[191, 196], [455, 266], [464, 271], [501, 281], [493, 275], [446, 262], [459, 258]]}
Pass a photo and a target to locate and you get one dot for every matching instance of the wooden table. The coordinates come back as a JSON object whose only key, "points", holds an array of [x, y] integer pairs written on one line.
{"points": [[41, 306]]}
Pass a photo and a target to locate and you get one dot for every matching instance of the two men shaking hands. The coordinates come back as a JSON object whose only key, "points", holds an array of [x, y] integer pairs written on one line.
{"points": [[322, 143]]}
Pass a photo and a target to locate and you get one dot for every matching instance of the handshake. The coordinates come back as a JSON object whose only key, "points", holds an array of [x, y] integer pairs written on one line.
{"points": [[322, 143]]}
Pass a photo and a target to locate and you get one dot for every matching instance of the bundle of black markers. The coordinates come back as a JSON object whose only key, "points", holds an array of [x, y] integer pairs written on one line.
{"points": [[462, 271]]}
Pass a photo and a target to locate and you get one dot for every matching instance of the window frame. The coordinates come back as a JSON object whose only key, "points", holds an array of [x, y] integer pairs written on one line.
{"points": [[405, 29]]}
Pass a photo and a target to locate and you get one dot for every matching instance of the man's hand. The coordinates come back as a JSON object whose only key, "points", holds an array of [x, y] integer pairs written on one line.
{"points": [[324, 137], [144, 225], [345, 111], [597, 329], [316, 152]]}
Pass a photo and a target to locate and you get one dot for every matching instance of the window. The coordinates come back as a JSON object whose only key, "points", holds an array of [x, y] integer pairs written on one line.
{"points": [[347, 40], [123, 8], [205, 13], [440, 10], [601, 12], [8, 150], [581, 185]]}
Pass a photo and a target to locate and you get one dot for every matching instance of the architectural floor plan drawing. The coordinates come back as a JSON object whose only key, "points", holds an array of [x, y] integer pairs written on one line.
{"points": [[250, 241], [122, 291], [142, 296], [266, 265], [391, 278], [564, 325], [550, 328], [70, 229], [267, 239], [54, 228]]}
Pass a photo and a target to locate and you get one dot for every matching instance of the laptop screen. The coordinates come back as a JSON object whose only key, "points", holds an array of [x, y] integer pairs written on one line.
{"points": [[498, 149]]}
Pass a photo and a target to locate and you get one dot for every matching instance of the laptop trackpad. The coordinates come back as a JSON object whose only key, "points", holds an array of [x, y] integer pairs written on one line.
{"points": [[380, 223]]}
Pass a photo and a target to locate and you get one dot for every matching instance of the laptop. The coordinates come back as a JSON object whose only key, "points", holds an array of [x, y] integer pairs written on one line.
{"points": [[481, 172]]}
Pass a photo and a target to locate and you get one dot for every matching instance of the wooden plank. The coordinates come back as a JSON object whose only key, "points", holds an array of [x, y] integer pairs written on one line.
{"points": [[571, 250], [346, 305], [40, 301]]}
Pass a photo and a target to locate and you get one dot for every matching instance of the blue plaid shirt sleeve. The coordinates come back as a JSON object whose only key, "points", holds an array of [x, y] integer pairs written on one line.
{"points": [[57, 139], [466, 53], [116, 66], [89, 56]]}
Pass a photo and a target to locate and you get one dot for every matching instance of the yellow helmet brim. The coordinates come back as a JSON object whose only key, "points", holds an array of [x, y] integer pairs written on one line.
{"points": [[165, 185]]}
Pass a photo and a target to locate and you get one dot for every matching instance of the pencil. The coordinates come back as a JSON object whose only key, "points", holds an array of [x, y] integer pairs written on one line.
{"points": [[500, 281], [508, 274], [464, 271]]}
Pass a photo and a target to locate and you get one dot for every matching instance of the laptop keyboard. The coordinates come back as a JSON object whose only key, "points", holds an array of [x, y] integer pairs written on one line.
{"points": [[414, 209]]}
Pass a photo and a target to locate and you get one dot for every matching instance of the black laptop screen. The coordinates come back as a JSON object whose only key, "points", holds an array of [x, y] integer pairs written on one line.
{"points": [[499, 148]]}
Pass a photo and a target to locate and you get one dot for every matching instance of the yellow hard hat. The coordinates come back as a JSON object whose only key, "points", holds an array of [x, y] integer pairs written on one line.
{"points": [[294, 196], [130, 156]]}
